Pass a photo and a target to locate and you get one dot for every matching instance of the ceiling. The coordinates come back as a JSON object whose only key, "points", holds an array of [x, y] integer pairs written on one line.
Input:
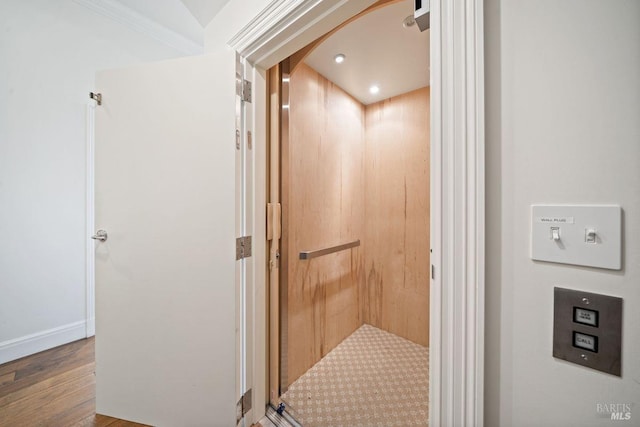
{"points": [[204, 10], [185, 17], [379, 51]]}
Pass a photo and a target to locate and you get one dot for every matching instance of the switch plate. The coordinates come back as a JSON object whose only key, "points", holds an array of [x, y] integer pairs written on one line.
{"points": [[565, 234], [587, 329]]}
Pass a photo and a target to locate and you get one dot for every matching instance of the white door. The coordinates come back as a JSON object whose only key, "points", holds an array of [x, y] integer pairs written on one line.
{"points": [[166, 275]]}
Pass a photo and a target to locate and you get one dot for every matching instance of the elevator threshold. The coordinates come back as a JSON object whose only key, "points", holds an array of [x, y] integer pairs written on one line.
{"points": [[373, 378]]}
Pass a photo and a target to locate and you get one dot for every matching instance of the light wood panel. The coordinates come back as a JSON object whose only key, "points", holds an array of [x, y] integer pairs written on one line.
{"points": [[274, 232], [395, 296], [323, 205]]}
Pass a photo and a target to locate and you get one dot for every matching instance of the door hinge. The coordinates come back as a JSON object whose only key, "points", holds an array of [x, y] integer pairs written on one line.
{"points": [[243, 406], [243, 247], [246, 91], [96, 97]]}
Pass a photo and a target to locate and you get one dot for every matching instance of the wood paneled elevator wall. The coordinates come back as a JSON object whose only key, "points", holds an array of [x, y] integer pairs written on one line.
{"points": [[351, 172]]}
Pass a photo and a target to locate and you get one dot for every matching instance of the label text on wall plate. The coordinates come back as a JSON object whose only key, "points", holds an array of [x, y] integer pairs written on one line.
{"points": [[588, 342], [555, 220]]}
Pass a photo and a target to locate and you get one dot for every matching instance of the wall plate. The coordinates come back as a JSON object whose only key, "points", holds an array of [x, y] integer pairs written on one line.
{"points": [[587, 329], [577, 234]]}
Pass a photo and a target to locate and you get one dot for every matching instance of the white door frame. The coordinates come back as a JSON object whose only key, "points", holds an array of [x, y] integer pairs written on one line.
{"points": [[457, 187], [90, 220]]}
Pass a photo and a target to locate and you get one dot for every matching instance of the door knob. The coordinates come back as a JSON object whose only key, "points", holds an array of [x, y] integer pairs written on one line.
{"points": [[100, 235]]}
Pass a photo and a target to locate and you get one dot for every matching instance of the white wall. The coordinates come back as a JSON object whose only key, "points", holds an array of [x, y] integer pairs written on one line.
{"points": [[563, 126], [230, 20], [49, 52]]}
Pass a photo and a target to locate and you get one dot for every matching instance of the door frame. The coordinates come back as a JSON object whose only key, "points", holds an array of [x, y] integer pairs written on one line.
{"points": [[456, 394], [90, 220]]}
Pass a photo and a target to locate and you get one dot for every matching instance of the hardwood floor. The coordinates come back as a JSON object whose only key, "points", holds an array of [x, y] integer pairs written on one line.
{"points": [[55, 388]]}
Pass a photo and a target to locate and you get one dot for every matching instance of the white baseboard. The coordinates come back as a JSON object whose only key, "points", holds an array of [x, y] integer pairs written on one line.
{"points": [[91, 327], [40, 341]]}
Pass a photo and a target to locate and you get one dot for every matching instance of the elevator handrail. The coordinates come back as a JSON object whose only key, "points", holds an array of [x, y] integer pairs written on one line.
{"points": [[320, 252]]}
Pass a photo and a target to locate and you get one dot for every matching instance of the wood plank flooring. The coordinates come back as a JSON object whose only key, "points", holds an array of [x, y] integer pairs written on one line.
{"points": [[55, 388]]}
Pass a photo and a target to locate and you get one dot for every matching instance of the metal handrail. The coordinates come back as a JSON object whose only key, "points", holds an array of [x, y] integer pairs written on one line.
{"points": [[320, 252]]}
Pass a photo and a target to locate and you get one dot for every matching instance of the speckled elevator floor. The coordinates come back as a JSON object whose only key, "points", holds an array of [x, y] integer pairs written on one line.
{"points": [[373, 378]]}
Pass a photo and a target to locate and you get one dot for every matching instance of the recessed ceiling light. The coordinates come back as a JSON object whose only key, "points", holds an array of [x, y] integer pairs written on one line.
{"points": [[374, 89], [339, 58]]}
